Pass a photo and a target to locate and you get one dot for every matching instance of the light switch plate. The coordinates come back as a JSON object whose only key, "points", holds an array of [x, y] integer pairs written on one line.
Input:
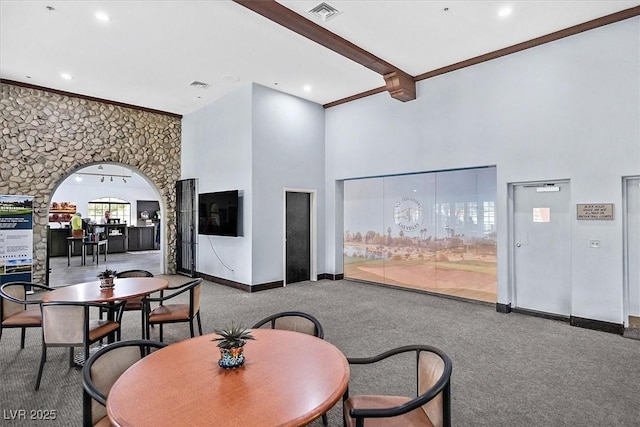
{"points": [[595, 244]]}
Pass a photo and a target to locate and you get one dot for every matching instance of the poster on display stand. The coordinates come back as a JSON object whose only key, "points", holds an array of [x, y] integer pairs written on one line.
{"points": [[16, 239]]}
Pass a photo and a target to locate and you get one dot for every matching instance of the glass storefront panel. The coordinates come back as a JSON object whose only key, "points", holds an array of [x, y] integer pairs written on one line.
{"points": [[365, 242], [430, 231]]}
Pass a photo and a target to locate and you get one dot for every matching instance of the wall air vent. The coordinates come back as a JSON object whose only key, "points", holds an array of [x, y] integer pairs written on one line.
{"points": [[201, 85], [324, 11]]}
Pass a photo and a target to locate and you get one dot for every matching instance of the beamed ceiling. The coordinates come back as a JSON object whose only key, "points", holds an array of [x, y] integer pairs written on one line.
{"points": [[148, 53]]}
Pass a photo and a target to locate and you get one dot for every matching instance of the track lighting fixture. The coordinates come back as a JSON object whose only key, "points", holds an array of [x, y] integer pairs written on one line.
{"points": [[103, 176]]}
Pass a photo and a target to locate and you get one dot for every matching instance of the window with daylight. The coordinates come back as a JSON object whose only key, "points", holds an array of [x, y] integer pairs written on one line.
{"points": [[119, 209]]}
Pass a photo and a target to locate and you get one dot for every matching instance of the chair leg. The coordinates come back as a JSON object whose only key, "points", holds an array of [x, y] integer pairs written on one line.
{"points": [[43, 358], [142, 324], [147, 331], [199, 323], [22, 337], [71, 361], [86, 352], [325, 421], [191, 328], [161, 332]]}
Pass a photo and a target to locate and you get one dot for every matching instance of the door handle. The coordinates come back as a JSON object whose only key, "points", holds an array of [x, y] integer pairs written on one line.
{"points": [[518, 245]]}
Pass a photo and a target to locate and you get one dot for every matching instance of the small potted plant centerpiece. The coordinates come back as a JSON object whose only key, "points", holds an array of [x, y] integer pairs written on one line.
{"points": [[106, 278], [231, 343]]}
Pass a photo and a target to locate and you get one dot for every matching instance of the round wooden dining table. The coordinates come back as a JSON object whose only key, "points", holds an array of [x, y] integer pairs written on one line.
{"points": [[124, 288], [288, 379]]}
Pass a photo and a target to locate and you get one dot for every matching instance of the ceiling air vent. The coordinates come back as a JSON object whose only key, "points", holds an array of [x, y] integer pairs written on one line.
{"points": [[324, 11], [201, 85]]}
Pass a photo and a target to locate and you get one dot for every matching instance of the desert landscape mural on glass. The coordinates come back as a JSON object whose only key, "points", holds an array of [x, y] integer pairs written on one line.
{"points": [[430, 231]]}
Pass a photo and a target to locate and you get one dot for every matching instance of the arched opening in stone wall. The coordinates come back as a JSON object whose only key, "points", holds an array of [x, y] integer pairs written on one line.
{"points": [[136, 238]]}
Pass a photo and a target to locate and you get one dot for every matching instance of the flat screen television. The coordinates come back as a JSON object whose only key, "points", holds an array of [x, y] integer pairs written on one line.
{"points": [[218, 213]]}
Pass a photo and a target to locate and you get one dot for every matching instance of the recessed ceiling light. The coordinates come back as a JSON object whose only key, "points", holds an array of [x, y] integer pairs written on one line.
{"points": [[102, 16], [505, 11], [66, 76], [307, 88]]}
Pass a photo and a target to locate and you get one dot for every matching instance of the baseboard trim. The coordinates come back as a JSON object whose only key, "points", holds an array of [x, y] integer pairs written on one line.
{"points": [[329, 276], [544, 315], [597, 325], [503, 308], [580, 322], [241, 286]]}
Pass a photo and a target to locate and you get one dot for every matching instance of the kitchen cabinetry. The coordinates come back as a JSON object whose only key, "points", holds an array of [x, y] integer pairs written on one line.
{"points": [[142, 238]]}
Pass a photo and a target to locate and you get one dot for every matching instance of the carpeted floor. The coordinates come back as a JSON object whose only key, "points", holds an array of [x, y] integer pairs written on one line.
{"points": [[508, 369]]}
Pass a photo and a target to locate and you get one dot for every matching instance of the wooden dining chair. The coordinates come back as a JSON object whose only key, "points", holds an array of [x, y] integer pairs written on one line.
{"points": [[174, 312], [16, 311], [101, 371], [296, 321], [69, 324], [133, 303], [430, 407]]}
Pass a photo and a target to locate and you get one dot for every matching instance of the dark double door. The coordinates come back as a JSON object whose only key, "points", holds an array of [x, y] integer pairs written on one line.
{"points": [[298, 237]]}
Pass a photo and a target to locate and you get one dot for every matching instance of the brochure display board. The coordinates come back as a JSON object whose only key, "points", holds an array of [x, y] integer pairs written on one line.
{"points": [[16, 238]]}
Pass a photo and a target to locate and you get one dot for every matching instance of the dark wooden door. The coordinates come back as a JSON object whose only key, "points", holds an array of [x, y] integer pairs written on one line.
{"points": [[298, 237]]}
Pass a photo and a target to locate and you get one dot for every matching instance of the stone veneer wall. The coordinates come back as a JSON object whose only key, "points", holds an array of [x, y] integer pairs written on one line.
{"points": [[46, 136]]}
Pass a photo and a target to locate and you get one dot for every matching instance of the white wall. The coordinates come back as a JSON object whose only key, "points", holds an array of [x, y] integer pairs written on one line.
{"points": [[565, 110], [259, 141], [216, 149], [288, 152]]}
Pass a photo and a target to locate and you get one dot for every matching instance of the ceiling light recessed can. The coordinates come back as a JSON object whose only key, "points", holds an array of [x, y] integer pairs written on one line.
{"points": [[505, 11], [102, 16], [66, 76], [307, 88]]}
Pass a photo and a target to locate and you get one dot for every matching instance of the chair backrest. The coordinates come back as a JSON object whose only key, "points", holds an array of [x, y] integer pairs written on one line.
{"points": [[195, 295], [15, 290], [103, 368], [64, 322], [431, 367], [296, 321], [134, 273], [433, 385], [14, 297]]}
